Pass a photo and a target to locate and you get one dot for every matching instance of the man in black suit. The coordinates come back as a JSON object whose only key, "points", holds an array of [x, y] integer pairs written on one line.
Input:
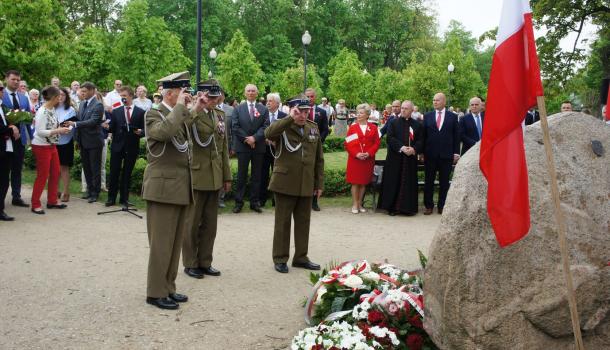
{"points": [[471, 125], [127, 127], [273, 105], [441, 138], [90, 139], [9, 135], [394, 115], [319, 116], [248, 124], [532, 117]]}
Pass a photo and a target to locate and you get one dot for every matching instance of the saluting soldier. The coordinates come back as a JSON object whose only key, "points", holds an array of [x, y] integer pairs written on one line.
{"points": [[298, 173], [167, 187], [210, 172]]}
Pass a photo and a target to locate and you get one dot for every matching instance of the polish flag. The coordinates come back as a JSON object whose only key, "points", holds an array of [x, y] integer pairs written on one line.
{"points": [[411, 135], [514, 84], [117, 104]]}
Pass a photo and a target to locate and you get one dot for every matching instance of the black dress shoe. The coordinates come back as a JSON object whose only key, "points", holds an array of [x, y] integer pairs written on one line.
{"points": [[179, 298], [126, 203], [440, 210], [92, 199], [281, 268], [109, 203], [306, 265], [210, 271], [392, 213], [315, 206], [38, 211], [18, 202], [56, 206], [237, 208], [162, 303], [256, 208], [194, 272], [5, 217], [85, 196]]}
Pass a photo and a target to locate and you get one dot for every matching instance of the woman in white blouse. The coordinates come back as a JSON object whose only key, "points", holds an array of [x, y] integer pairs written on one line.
{"points": [[142, 101], [46, 137]]}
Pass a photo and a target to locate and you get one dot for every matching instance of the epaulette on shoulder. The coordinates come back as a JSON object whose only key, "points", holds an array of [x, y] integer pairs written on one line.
{"points": [[312, 122], [219, 110]]}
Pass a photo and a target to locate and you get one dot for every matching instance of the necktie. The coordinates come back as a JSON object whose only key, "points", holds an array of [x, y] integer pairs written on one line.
{"points": [[478, 121], [128, 109], [15, 101], [272, 117], [311, 115], [251, 111], [85, 106], [438, 120]]}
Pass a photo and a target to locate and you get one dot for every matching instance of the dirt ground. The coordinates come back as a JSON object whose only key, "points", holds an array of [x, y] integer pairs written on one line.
{"points": [[72, 279]]}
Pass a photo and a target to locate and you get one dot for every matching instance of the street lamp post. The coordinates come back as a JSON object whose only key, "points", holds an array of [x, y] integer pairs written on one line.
{"points": [[198, 65], [450, 69], [213, 55], [306, 40]]}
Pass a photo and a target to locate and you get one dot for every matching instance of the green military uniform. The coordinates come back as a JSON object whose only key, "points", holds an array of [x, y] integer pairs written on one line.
{"points": [[210, 170], [168, 193], [298, 171]]}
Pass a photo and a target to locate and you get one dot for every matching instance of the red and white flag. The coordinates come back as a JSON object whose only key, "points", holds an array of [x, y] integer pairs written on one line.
{"points": [[117, 104], [514, 84], [411, 135]]}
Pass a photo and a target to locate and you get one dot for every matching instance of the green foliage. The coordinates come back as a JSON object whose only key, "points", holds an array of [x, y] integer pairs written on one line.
{"points": [[83, 14], [423, 260], [157, 49], [90, 47], [348, 79], [30, 39], [388, 86], [289, 83], [237, 66]]}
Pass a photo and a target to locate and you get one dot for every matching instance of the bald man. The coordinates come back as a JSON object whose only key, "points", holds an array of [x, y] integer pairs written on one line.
{"points": [[471, 125], [441, 139]]}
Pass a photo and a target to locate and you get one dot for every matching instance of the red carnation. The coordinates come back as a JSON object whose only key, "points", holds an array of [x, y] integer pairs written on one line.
{"points": [[415, 320], [415, 341], [365, 330], [375, 317]]}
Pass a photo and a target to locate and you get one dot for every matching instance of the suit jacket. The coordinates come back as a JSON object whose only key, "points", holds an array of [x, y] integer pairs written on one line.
{"points": [[167, 177], [442, 143], [24, 103], [531, 118], [5, 131], [301, 172], [228, 110], [321, 119], [280, 115], [89, 125], [210, 166], [123, 136], [242, 127], [470, 134]]}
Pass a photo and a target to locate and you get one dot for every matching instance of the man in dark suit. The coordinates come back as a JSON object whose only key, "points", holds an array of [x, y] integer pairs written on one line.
{"points": [[13, 99], [441, 138], [532, 117], [248, 125], [471, 125], [90, 139], [394, 115], [9, 135], [273, 104], [127, 127], [317, 115]]}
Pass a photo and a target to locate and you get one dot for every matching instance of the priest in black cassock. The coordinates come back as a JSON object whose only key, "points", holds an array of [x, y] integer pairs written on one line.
{"points": [[399, 195]]}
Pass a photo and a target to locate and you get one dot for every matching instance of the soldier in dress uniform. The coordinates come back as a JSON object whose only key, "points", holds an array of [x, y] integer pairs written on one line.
{"points": [[210, 172], [298, 173], [167, 186]]}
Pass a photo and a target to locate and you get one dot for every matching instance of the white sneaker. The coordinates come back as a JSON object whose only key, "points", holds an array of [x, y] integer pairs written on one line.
{"points": [[362, 210], [354, 210]]}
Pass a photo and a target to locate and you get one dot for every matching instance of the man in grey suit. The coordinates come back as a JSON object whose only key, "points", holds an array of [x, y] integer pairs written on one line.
{"points": [[89, 138], [248, 125], [228, 113]]}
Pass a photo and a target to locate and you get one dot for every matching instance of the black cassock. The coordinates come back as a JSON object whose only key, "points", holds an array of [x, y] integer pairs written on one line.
{"points": [[399, 192]]}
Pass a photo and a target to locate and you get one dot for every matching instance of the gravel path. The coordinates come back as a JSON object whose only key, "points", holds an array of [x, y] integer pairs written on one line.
{"points": [[72, 279]]}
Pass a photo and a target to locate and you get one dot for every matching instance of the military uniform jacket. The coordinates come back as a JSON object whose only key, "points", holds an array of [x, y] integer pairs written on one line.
{"points": [[299, 163], [210, 165], [167, 177]]}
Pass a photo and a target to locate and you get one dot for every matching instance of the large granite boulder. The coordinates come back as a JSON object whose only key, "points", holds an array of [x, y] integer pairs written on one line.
{"points": [[479, 296]]}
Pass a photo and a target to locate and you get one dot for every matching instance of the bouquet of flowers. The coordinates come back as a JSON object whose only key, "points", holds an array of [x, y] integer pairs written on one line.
{"points": [[343, 336], [17, 116]]}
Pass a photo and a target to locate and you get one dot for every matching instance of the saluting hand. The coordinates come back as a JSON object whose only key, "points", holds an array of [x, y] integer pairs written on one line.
{"points": [[184, 97]]}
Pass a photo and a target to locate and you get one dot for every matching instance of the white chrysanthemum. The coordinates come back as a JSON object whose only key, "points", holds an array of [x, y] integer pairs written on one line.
{"points": [[353, 281], [371, 276]]}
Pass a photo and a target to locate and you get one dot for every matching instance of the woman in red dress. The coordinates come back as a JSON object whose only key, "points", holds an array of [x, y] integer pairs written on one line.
{"points": [[361, 143]]}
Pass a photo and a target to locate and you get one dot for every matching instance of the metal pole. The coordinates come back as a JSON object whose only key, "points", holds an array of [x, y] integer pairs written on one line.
{"points": [[198, 65], [305, 69]]}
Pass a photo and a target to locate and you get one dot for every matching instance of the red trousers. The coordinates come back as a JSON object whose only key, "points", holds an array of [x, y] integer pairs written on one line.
{"points": [[47, 168]]}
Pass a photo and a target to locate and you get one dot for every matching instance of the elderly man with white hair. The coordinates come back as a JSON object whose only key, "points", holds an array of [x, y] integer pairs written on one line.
{"points": [[471, 125], [273, 104]]}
